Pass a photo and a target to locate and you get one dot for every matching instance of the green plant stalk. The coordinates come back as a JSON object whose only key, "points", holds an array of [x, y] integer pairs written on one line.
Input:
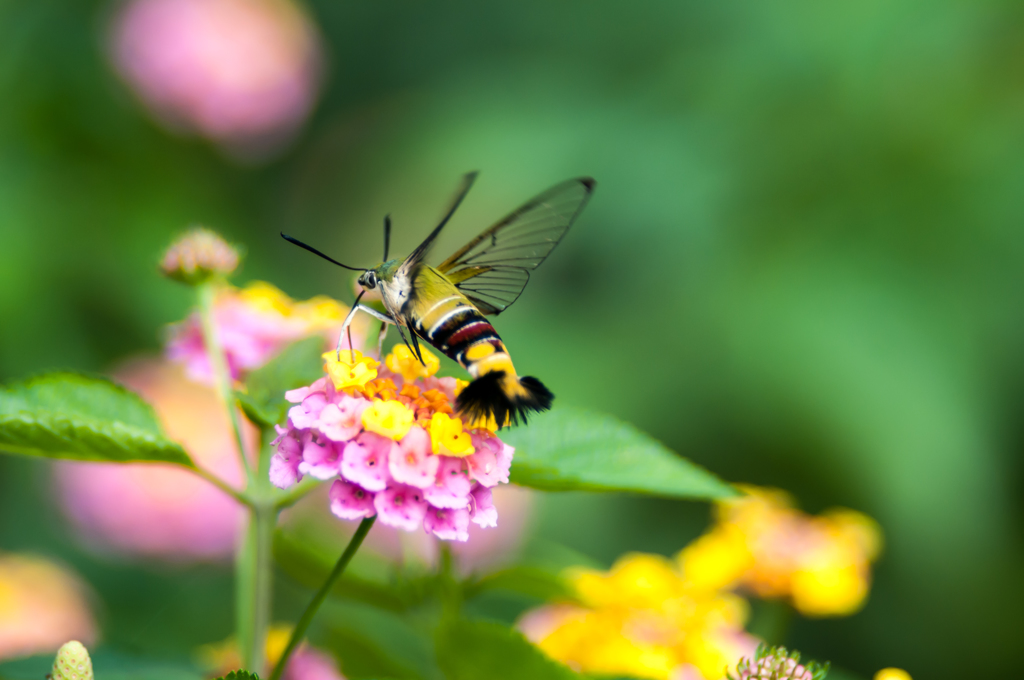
{"points": [[307, 616], [256, 567], [207, 294]]}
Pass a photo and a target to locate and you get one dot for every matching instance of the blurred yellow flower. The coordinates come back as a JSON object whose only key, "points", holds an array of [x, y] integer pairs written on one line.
{"points": [[642, 618], [448, 438], [42, 606], [404, 362], [391, 419], [762, 543], [349, 368], [892, 674]]}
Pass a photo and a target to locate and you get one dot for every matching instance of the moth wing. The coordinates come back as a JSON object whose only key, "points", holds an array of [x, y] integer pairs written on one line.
{"points": [[412, 262], [494, 267]]}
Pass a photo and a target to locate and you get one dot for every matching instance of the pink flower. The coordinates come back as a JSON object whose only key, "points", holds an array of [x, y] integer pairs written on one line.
{"points": [[447, 524], [347, 425], [401, 506], [492, 461], [484, 514], [241, 72], [306, 414], [284, 465], [298, 394], [320, 459], [349, 501], [252, 325], [366, 461], [451, 490], [308, 663], [341, 421], [42, 607], [411, 463], [162, 511]]}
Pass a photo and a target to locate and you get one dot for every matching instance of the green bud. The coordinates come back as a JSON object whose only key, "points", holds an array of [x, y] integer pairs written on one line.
{"points": [[72, 662]]}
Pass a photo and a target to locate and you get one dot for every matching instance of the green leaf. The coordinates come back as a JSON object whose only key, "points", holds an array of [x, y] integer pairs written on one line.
{"points": [[373, 643], [534, 582], [297, 365], [469, 650], [573, 450], [240, 675], [76, 417]]}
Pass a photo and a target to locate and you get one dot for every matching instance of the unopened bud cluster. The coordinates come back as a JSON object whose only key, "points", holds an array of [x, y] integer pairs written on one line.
{"points": [[198, 256], [777, 663], [72, 663]]}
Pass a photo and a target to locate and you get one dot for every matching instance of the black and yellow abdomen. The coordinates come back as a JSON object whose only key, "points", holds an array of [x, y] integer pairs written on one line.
{"points": [[440, 314]]}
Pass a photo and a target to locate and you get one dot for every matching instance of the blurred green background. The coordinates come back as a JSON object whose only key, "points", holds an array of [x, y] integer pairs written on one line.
{"points": [[802, 265]]}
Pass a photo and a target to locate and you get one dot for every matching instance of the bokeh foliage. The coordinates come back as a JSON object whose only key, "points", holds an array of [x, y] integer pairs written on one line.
{"points": [[800, 268]]}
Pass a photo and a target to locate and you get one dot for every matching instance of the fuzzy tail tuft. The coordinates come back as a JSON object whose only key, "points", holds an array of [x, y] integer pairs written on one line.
{"points": [[508, 398]]}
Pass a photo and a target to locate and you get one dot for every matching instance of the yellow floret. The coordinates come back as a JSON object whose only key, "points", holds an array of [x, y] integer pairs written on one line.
{"points": [[349, 368], [717, 559], [448, 438], [321, 313], [892, 674], [391, 419], [636, 580], [266, 297], [403, 361]]}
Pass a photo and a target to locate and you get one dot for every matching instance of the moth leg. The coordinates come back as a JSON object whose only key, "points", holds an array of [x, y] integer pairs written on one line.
{"points": [[348, 321], [380, 340]]}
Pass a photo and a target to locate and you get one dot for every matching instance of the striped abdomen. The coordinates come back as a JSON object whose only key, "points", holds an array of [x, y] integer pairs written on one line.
{"points": [[440, 314], [454, 326]]}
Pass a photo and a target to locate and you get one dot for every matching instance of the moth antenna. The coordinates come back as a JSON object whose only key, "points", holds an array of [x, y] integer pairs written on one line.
{"points": [[292, 239], [387, 236]]}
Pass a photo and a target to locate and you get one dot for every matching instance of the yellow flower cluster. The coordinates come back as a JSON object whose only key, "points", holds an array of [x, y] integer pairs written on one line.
{"points": [[314, 315], [645, 620], [651, 617], [762, 543]]}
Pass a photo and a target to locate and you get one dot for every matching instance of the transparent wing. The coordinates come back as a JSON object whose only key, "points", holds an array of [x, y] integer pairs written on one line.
{"points": [[493, 268]]}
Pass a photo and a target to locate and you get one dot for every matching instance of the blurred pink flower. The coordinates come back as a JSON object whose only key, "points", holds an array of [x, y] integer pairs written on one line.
{"points": [[241, 72], [254, 324], [42, 606], [156, 510], [308, 663]]}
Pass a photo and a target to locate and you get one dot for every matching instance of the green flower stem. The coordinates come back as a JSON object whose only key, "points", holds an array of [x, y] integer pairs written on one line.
{"points": [[296, 494], [219, 366], [255, 567], [307, 616], [223, 486], [254, 571]]}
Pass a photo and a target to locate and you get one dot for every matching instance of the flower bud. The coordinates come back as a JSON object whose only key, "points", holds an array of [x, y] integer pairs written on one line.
{"points": [[777, 663], [198, 256], [72, 662]]}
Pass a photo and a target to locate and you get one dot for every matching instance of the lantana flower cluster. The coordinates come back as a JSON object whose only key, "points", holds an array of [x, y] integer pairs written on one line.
{"points": [[252, 325], [681, 619], [764, 545], [643, 619], [388, 437]]}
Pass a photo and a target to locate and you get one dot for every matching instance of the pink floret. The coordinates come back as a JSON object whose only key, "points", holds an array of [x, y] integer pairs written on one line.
{"points": [[451, 490], [365, 461], [411, 462], [342, 420], [320, 459], [401, 506], [447, 524], [482, 510], [349, 501]]}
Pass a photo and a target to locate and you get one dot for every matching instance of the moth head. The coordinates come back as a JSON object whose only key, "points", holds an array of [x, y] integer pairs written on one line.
{"points": [[368, 279]]}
